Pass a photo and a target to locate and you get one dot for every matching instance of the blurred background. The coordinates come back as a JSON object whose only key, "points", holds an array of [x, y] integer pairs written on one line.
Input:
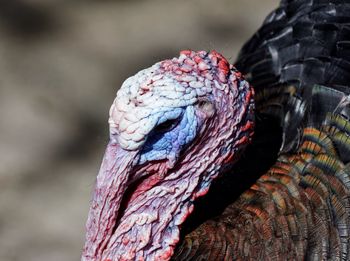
{"points": [[61, 63]]}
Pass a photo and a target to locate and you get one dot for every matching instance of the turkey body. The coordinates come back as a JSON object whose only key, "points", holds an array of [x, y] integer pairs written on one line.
{"points": [[179, 125], [299, 207]]}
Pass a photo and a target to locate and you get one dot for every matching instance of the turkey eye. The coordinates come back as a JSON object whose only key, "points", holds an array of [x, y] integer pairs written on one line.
{"points": [[202, 104], [166, 126]]}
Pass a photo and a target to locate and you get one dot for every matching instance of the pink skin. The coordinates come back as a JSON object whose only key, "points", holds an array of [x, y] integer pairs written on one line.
{"points": [[136, 211]]}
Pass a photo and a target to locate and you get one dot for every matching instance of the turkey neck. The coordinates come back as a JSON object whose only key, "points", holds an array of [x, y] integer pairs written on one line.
{"points": [[263, 152]]}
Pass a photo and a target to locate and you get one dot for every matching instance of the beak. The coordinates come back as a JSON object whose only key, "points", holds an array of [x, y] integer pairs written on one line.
{"points": [[110, 186]]}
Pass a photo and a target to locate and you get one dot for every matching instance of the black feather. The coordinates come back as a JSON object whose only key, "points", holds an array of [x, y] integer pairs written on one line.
{"points": [[300, 44]]}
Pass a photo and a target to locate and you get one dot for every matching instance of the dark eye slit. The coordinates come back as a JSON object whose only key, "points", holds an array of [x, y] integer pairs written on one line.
{"points": [[167, 125]]}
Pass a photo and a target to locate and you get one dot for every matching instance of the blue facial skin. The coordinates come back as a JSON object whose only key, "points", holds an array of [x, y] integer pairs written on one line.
{"points": [[168, 143]]}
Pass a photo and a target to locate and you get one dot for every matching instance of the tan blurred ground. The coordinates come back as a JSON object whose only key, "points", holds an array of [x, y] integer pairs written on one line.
{"points": [[61, 63]]}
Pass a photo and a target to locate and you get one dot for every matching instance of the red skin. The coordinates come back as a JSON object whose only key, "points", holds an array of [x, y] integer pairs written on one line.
{"points": [[142, 222]]}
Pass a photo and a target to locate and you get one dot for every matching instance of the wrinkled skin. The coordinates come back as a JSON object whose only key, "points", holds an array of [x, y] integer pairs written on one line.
{"points": [[174, 127]]}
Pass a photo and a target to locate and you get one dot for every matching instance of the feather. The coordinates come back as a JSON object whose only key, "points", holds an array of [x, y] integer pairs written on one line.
{"points": [[299, 64]]}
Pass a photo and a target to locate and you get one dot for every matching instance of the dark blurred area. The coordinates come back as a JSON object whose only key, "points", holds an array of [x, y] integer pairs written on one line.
{"points": [[61, 63]]}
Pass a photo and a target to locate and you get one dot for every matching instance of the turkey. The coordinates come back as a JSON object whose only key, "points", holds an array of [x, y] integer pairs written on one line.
{"points": [[210, 161]]}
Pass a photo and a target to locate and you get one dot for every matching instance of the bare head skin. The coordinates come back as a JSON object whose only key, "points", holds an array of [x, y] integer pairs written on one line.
{"points": [[174, 127]]}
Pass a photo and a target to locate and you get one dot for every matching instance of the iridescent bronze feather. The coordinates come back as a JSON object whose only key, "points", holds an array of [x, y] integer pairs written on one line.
{"points": [[300, 208], [179, 127]]}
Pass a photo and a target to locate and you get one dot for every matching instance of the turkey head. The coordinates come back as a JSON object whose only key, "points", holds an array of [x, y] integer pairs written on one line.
{"points": [[174, 127]]}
